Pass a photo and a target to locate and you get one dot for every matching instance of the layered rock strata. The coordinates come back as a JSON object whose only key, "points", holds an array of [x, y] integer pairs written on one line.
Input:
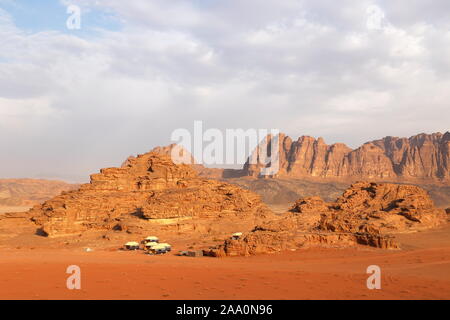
{"points": [[366, 214], [149, 188], [424, 157]]}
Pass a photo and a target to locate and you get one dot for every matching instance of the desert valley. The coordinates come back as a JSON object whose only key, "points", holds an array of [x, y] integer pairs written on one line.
{"points": [[308, 232]]}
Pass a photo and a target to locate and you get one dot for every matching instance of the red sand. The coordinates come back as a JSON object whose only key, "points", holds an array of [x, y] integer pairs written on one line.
{"points": [[420, 271]]}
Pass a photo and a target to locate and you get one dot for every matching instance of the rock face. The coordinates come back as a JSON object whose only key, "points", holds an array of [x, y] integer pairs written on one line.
{"points": [[422, 157], [366, 214], [28, 192], [309, 205], [382, 208], [147, 188]]}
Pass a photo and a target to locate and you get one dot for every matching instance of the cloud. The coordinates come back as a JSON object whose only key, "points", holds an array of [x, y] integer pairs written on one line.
{"points": [[73, 102]]}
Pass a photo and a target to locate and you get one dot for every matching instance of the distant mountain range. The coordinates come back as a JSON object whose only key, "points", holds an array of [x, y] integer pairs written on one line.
{"points": [[308, 166], [424, 158], [28, 192]]}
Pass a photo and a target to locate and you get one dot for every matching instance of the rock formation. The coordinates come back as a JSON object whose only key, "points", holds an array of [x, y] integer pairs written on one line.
{"points": [[147, 188], [366, 214], [424, 157], [382, 208]]}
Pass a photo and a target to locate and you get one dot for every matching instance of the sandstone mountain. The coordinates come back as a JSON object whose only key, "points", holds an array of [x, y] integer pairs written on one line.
{"points": [[287, 187], [28, 192], [149, 192], [424, 157], [366, 214]]}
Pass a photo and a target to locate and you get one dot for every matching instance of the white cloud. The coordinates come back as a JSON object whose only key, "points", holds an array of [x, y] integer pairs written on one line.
{"points": [[14, 113], [303, 67]]}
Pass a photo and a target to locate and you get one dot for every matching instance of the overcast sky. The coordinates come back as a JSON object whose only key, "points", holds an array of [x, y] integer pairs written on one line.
{"points": [[73, 101]]}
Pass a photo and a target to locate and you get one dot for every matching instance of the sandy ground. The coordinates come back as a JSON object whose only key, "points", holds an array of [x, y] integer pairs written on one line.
{"points": [[420, 271]]}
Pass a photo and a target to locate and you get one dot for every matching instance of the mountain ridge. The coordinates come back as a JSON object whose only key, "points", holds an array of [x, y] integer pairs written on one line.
{"points": [[420, 157]]}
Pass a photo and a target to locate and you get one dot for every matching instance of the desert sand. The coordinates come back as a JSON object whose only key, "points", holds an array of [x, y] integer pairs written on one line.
{"points": [[421, 270]]}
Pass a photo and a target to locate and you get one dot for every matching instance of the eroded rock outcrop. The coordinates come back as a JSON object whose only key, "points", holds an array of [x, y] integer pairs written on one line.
{"points": [[424, 157], [148, 187], [310, 205], [384, 207], [366, 214]]}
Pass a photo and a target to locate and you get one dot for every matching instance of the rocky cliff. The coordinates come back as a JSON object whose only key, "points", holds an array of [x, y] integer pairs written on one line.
{"points": [[146, 192], [424, 157]]}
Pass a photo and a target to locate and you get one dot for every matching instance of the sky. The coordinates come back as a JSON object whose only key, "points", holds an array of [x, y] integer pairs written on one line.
{"points": [[76, 100]]}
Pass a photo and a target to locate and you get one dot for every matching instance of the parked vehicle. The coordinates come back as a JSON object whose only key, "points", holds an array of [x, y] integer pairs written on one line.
{"points": [[151, 239], [236, 236], [167, 246], [132, 245], [158, 249]]}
